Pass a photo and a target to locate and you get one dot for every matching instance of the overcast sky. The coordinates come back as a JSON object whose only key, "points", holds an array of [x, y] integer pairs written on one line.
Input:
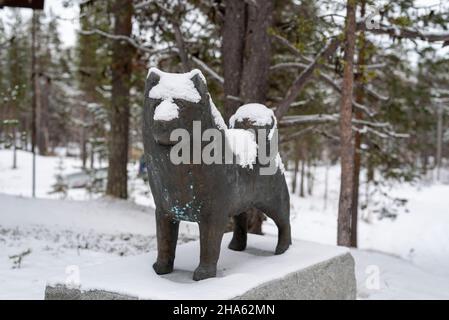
{"points": [[68, 21], [67, 18]]}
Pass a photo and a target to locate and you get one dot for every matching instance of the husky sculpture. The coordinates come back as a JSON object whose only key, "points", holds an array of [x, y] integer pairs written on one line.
{"points": [[208, 194]]}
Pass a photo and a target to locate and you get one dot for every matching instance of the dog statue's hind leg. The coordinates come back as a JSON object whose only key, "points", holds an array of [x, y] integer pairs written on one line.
{"points": [[239, 238], [279, 211]]}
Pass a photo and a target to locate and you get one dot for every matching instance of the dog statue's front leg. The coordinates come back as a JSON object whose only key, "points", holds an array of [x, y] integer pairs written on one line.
{"points": [[167, 236], [211, 234]]}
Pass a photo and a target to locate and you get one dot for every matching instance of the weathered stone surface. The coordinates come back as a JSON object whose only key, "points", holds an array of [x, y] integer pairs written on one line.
{"points": [[333, 279], [307, 271], [62, 292]]}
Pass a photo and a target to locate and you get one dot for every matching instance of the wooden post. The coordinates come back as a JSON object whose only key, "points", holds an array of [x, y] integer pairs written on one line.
{"points": [[33, 102]]}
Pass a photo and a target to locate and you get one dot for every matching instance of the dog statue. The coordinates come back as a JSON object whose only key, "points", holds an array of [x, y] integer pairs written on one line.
{"points": [[208, 194]]}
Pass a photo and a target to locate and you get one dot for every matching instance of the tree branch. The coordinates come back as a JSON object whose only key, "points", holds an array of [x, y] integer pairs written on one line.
{"points": [[208, 70], [368, 126], [375, 94], [6, 42], [289, 121], [306, 74], [296, 134], [337, 88], [304, 77], [406, 33], [130, 40]]}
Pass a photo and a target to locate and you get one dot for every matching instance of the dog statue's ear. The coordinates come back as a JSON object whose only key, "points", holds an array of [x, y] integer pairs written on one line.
{"points": [[152, 78], [200, 84]]}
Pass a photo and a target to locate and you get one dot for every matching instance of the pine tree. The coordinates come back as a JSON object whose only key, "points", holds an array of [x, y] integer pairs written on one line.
{"points": [[15, 93]]}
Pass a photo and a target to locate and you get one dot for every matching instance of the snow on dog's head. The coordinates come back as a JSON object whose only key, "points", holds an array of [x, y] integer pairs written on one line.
{"points": [[169, 87], [176, 85], [254, 116], [176, 101], [257, 113], [188, 87]]}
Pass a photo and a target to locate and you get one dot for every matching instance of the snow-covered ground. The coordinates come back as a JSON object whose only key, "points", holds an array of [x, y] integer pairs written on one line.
{"points": [[405, 258]]}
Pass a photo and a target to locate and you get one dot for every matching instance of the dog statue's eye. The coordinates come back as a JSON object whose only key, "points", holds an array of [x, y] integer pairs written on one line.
{"points": [[179, 101], [183, 102]]}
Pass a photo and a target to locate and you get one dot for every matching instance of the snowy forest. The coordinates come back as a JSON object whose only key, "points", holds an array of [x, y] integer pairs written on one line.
{"points": [[359, 89]]}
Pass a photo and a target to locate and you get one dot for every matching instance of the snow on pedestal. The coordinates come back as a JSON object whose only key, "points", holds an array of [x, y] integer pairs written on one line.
{"points": [[305, 271]]}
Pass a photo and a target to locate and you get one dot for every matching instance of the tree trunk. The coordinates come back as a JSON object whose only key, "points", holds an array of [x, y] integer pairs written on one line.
{"points": [[439, 139], [122, 54], [256, 65], [181, 46], [233, 34], [38, 113], [355, 196], [83, 140], [257, 53], [43, 139], [14, 150], [369, 180], [425, 161], [326, 182], [357, 135], [295, 175], [310, 177], [255, 220], [92, 156], [34, 99], [301, 184], [13, 135], [346, 136]]}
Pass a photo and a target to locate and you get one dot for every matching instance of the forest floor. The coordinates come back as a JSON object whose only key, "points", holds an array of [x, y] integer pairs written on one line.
{"points": [[402, 258]]}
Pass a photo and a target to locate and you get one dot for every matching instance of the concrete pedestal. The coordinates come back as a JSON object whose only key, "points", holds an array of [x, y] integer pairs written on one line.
{"points": [[306, 271]]}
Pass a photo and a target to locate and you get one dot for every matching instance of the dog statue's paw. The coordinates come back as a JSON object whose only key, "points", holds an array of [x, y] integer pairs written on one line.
{"points": [[202, 273], [281, 248], [163, 268], [237, 245]]}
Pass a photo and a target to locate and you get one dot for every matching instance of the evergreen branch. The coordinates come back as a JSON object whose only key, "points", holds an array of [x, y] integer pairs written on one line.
{"points": [[130, 40]]}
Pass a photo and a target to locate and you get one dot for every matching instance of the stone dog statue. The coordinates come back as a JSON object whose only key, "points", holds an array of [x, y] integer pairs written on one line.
{"points": [[205, 193]]}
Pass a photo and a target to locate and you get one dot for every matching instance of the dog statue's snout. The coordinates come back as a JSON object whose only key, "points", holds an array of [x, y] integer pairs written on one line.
{"points": [[162, 130]]}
